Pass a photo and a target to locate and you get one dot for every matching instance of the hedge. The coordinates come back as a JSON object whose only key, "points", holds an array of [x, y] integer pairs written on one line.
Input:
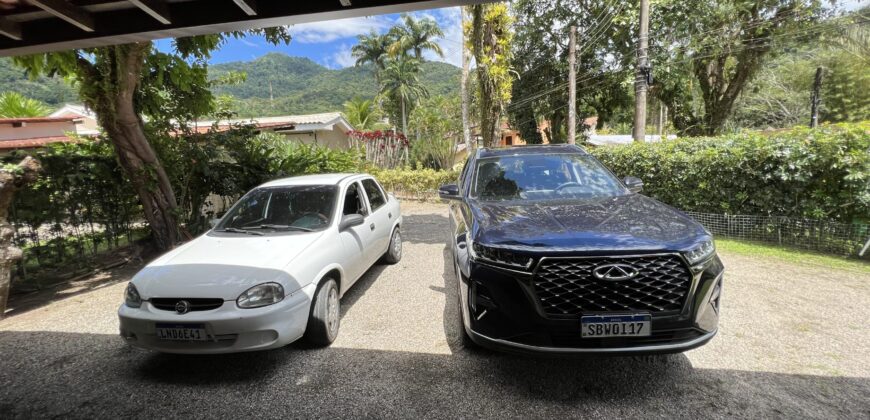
{"points": [[413, 183], [821, 173]]}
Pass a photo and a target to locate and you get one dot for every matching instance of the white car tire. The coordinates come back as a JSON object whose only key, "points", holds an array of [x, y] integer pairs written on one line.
{"points": [[325, 316], [394, 252]]}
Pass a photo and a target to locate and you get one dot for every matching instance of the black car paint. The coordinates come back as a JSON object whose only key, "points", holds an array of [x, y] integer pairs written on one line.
{"points": [[498, 302]]}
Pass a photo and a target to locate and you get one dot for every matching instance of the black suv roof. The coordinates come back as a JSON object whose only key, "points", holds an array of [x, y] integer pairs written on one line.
{"points": [[529, 150]]}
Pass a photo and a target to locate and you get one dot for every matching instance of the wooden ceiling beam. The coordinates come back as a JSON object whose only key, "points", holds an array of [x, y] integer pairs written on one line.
{"points": [[10, 29], [248, 6], [66, 11], [155, 8]]}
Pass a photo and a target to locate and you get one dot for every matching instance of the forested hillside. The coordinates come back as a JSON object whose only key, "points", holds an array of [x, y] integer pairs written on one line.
{"points": [[53, 91], [301, 86]]}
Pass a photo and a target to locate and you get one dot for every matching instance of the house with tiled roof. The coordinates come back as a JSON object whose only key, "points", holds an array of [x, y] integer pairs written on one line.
{"points": [[328, 129], [32, 133]]}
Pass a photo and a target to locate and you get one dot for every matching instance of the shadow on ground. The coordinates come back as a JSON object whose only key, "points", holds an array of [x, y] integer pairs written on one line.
{"points": [[87, 375]]}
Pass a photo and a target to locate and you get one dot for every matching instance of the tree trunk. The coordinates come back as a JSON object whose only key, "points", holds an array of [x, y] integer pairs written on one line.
{"points": [[463, 90], [117, 114], [10, 183], [404, 118]]}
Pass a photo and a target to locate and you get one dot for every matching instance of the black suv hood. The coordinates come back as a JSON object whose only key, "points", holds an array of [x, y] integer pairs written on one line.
{"points": [[623, 223]]}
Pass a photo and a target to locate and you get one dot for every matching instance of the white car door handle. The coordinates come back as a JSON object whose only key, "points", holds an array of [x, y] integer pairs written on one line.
{"points": [[372, 226]]}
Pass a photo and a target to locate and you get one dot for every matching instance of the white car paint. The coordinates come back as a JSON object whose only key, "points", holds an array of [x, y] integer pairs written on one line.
{"points": [[225, 266]]}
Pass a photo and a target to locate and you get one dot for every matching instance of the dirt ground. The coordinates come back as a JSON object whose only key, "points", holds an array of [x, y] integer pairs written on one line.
{"points": [[793, 342]]}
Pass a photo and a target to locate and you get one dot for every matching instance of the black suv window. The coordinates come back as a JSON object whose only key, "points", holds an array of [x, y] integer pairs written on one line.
{"points": [[543, 177], [376, 195]]}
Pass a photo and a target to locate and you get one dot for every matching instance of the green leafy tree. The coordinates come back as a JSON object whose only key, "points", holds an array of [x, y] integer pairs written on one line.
{"points": [[708, 52], [489, 37], [438, 120], [123, 84], [15, 105], [605, 52], [416, 36], [401, 83], [362, 113], [373, 49]]}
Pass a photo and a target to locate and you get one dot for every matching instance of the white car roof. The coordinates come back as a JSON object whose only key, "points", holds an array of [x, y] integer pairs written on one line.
{"points": [[320, 179]]}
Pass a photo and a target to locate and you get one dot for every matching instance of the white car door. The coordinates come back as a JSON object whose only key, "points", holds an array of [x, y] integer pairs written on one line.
{"points": [[356, 241], [381, 218]]}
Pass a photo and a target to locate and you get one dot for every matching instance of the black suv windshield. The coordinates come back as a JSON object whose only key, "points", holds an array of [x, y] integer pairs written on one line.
{"points": [[287, 208], [543, 177]]}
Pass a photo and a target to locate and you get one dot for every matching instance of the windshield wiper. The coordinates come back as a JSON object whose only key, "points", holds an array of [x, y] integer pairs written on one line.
{"points": [[237, 230], [273, 226]]}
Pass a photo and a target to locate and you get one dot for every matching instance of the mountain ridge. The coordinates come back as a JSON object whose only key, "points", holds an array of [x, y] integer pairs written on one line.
{"points": [[299, 85]]}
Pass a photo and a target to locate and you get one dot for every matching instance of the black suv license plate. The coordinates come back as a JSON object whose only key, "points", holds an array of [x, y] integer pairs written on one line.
{"points": [[598, 326]]}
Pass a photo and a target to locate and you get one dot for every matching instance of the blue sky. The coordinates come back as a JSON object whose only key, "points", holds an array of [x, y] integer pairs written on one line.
{"points": [[329, 42]]}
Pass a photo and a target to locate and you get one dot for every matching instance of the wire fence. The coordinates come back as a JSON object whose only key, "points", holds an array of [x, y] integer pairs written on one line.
{"points": [[817, 235]]}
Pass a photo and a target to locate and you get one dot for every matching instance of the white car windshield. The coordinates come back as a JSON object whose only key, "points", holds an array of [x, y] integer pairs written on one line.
{"points": [[543, 177], [286, 208]]}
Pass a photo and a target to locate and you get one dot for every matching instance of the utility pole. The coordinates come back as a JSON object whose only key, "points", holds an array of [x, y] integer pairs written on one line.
{"points": [[572, 86], [816, 99], [271, 98], [463, 88], [642, 75]]}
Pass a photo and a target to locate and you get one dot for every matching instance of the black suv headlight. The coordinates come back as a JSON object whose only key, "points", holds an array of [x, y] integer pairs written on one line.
{"points": [[700, 252], [499, 256]]}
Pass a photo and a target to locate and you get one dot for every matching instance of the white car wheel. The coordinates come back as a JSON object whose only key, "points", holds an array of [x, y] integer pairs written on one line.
{"points": [[394, 252], [325, 316]]}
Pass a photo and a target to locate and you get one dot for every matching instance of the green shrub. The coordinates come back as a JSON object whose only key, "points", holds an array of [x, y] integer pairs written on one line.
{"points": [[413, 182], [821, 173]]}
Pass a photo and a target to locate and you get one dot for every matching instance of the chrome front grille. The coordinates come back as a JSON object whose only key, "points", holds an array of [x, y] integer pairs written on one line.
{"points": [[567, 286], [196, 304]]}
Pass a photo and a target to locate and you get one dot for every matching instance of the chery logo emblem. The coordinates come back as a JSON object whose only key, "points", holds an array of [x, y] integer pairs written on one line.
{"points": [[614, 272], [182, 307]]}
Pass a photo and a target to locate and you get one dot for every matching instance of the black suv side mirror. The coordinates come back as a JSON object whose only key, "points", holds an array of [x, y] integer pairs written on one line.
{"points": [[449, 192], [634, 184], [350, 220]]}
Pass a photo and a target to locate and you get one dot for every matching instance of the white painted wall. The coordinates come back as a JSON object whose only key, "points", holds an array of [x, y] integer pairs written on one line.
{"points": [[31, 130]]}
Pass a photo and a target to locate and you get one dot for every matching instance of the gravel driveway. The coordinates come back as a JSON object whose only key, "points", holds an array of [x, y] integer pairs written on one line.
{"points": [[793, 343]]}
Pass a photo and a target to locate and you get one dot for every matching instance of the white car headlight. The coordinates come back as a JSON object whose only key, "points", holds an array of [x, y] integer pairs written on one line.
{"points": [[131, 296], [701, 252], [261, 295]]}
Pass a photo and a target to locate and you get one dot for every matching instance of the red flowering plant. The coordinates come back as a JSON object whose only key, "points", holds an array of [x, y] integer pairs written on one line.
{"points": [[382, 148]]}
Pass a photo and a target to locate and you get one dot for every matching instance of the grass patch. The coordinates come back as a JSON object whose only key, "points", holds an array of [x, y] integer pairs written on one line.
{"points": [[791, 255]]}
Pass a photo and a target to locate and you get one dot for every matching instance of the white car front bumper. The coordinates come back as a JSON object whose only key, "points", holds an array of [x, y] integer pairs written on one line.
{"points": [[229, 328]]}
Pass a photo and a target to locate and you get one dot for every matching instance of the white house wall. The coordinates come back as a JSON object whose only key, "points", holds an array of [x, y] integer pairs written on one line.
{"points": [[32, 130], [334, 138]]}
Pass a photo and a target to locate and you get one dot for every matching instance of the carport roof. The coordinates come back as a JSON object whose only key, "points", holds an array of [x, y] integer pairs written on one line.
{"points": [[33, 26]]}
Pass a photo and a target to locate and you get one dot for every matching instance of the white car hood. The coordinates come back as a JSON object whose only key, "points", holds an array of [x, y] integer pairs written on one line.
{"points": [[224, 266]]}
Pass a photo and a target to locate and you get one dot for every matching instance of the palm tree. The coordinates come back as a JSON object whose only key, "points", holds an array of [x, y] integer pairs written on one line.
{"points": [[15, 105], [416, 36], [361, 113], [401, 82], [372, 49]]}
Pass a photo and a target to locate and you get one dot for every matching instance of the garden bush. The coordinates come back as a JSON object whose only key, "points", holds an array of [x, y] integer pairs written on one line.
{"points": [[413, 183], [821, 173]]}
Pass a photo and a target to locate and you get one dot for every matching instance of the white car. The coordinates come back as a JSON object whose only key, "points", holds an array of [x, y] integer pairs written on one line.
{"points": [[271, 271]]}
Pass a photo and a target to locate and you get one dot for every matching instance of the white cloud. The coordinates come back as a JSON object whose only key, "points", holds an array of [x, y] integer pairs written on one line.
{"points": [[450, 20], [331, 30], [249, 43], [341, 58]]}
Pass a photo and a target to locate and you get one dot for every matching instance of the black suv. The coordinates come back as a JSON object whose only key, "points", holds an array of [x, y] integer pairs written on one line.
{"points": [[555, 255]]}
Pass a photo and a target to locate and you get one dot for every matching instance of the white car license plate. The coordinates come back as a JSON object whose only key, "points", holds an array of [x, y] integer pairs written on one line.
{"points": [[597, 326], [181, 332]]}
